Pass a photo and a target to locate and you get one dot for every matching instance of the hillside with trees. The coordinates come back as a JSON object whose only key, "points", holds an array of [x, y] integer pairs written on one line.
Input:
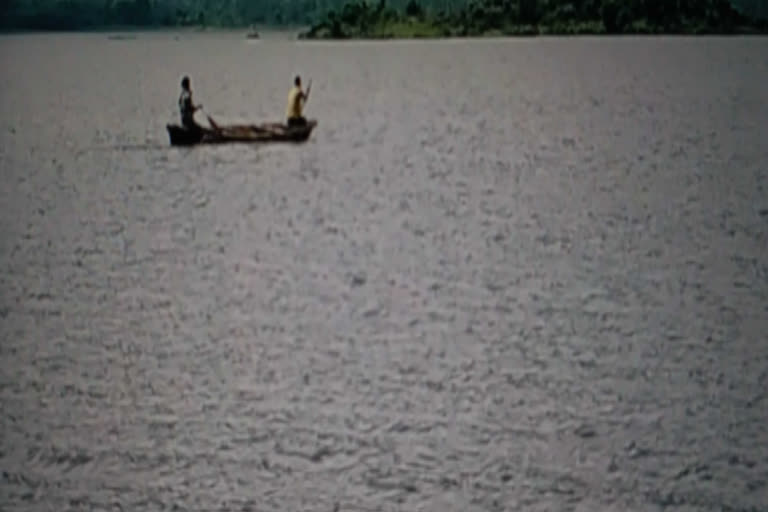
{"points": [[397, 18]]}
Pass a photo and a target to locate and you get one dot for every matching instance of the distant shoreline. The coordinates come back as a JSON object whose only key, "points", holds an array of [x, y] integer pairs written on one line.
{"points": [[428, 29], [302, 33], [408, 30], [134, 29], [537, 35]]}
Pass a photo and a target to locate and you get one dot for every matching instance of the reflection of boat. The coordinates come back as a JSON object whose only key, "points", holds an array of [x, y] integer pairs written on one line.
{"points": [[241, 133]]}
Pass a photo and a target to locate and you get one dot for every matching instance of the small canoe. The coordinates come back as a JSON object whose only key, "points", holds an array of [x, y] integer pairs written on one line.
{"points": [[241, 133]]}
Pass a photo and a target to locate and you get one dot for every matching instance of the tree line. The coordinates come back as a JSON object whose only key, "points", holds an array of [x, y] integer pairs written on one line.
{"points": [[357, 18], [360, 19], [87, 14]]}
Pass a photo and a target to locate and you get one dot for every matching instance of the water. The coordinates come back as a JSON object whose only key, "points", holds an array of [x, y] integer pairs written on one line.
{"points": [[502, 275]]}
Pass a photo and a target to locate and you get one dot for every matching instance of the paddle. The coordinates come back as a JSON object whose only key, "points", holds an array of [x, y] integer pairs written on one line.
{"points": [[306, 95], [210, 120]]}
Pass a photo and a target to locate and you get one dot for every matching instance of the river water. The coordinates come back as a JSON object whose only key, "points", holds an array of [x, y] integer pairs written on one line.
{"points": [[502, 275]]}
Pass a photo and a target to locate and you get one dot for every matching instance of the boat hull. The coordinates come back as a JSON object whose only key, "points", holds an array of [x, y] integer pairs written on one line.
{"points": [[247, 134]]}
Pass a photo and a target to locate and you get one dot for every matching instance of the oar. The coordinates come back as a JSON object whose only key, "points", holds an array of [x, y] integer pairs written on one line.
{"points": [[210, 120], [309, 88]]}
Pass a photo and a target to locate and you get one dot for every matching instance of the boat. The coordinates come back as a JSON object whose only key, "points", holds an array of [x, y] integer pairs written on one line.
{"points": [[240, 133]]}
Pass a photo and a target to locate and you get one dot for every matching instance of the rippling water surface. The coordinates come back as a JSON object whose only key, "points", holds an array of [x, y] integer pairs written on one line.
{"points": [[502, 275]]}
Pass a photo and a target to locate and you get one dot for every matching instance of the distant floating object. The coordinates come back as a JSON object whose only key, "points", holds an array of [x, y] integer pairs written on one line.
{"points": [[252, 34], [121, 37]]}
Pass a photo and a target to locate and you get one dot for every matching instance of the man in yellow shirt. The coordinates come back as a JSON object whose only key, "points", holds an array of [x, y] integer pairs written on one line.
{"points": [[296, 100]]}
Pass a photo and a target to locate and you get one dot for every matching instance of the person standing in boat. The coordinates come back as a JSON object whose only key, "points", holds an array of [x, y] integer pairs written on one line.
{"points": [[296, 100], [187, 108]]}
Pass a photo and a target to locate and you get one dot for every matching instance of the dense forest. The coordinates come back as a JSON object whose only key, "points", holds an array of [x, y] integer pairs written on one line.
{"points": [[393, 18], [85, 14], [359, 19]]}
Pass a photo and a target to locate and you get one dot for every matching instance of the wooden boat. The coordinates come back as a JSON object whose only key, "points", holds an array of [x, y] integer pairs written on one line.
{"points": [[240, 133]]}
